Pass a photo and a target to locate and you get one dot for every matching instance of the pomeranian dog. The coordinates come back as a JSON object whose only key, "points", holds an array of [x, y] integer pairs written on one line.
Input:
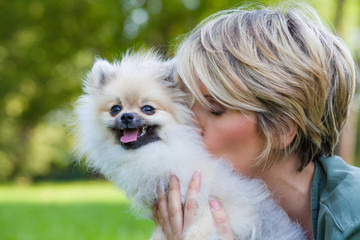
{"points": [[134, 125]]}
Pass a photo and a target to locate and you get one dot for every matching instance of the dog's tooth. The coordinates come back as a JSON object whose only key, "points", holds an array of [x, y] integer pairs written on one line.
{"points": [[143, 131]]}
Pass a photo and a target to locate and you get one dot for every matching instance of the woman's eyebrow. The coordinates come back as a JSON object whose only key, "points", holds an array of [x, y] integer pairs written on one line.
{"points": [[207, 96], [211, 99]]}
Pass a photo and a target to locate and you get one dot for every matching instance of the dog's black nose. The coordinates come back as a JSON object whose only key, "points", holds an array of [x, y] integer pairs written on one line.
{"points": [[127, 118]]}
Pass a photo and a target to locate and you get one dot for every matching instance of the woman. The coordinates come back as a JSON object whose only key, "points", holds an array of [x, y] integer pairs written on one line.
{"points": [[272, 91]]}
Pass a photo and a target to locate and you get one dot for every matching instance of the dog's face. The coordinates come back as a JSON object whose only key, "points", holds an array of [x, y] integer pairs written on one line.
{"points": [[134, 99]]}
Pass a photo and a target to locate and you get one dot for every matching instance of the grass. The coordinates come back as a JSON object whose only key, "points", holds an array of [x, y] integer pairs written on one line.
{"points": [[66, 211]]}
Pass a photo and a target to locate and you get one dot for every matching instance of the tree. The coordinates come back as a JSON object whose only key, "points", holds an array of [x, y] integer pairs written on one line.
{"points": [[46, 48]]}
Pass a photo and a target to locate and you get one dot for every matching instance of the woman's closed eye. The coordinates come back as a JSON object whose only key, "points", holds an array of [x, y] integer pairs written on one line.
{"points": [[215, 108]]}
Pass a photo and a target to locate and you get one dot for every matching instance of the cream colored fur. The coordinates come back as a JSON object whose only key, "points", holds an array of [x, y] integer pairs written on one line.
{"points": [[252, 212]]}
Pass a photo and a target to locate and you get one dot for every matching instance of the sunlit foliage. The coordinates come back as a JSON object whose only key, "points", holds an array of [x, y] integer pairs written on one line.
{"points": [[47, 46]]}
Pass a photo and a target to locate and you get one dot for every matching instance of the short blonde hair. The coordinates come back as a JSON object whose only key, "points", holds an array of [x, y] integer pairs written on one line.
{"points": [[281, 63]]}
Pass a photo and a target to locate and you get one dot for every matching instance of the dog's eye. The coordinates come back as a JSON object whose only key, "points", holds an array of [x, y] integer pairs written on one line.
{"points": [[148, 109], [115, 109]]}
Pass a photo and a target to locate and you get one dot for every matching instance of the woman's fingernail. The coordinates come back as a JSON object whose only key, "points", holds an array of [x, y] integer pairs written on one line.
{"points": [[171, 174], [196, 174], [214, 204]]}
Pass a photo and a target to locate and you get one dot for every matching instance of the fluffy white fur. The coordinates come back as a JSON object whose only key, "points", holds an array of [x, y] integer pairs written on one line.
{"points": [[252, 212]]}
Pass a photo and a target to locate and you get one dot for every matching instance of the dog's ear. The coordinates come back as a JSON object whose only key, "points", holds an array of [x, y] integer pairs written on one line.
{"points": [[100, 74], [171, 75], [169, 72]]}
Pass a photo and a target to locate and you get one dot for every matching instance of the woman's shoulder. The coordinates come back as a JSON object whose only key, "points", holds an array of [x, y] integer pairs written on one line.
{"points": [[338, 198], [338, 172]]}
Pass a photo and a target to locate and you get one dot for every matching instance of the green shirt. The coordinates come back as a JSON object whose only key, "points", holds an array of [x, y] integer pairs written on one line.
{"points": [[335, 200]]}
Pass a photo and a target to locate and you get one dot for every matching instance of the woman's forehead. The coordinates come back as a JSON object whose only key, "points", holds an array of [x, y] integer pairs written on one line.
{"points": [[202, 88]]}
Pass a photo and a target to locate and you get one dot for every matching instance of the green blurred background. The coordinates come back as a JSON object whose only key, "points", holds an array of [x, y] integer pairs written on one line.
{"points": [[46, 48]]}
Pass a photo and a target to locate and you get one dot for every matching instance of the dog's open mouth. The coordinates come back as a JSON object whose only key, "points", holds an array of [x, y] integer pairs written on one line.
{"points": [[132, 138], [132, 134]]}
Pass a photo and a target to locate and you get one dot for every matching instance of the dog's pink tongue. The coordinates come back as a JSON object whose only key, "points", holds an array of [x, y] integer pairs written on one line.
{"points": [[130, 135]]}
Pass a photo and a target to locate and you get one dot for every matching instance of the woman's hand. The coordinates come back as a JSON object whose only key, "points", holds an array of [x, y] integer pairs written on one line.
{"points": [[175, 221]]}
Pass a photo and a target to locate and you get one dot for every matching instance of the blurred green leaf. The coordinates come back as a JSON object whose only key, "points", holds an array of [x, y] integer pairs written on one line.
{"points": [[47, 46]]}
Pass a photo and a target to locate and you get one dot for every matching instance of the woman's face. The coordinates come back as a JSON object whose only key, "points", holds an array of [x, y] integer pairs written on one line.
{"points": [[230, 134]]}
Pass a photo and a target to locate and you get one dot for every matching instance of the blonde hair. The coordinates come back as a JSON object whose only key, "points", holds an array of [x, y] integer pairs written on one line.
{"points": [[281, 63]]}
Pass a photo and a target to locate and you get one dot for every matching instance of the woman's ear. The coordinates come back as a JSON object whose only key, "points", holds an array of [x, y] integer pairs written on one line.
{"points": [[288, 135]]}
